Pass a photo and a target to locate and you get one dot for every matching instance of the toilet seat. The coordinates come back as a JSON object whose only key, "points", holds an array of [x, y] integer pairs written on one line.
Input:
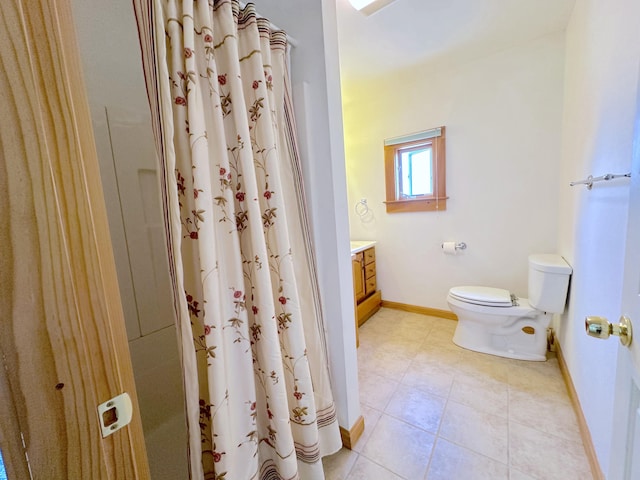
{"points": [[485, 296]]}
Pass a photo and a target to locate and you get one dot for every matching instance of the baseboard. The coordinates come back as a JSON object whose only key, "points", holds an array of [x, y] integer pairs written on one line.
{"points": [[596, 471], [368, 307], [434, 312], [350, 437]]}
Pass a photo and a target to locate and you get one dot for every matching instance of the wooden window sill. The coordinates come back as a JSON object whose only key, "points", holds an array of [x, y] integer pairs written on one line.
{"points": [[417, 205]]}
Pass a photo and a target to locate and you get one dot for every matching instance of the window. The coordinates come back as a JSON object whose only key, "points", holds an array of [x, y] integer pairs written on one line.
{"points": [[415, 172]]}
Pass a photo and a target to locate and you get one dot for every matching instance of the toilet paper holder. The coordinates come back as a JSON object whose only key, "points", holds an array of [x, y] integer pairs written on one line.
{"points": [[459, 246]]}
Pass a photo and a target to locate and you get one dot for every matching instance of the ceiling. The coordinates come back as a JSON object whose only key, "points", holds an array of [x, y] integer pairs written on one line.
{"points": [[418, 32]]}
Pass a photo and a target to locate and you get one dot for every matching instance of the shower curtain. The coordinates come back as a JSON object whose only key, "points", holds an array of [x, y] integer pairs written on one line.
{"points": [[258, 396]]}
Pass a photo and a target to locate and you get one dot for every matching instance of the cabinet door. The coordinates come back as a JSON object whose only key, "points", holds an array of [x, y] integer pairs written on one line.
{"points": [[370, 286], [370, 270], [369, 255], [358, 277]]}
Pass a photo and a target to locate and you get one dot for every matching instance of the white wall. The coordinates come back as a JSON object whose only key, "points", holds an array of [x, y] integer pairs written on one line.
{"points": [[503, 116], [602, 61]]}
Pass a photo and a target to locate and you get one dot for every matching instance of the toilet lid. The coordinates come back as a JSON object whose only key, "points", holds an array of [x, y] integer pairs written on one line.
{"points": [[493, 297]]}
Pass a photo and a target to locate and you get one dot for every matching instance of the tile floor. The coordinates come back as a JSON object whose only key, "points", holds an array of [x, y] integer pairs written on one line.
{"points": [[434, 411]]}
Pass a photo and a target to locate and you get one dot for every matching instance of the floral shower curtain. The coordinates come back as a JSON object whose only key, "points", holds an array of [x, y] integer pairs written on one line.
{"points": [[259, 403]]}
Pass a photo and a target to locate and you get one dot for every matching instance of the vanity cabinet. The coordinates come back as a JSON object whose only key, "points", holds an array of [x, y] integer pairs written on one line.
{"points": [[369, 271], [367, 297]]}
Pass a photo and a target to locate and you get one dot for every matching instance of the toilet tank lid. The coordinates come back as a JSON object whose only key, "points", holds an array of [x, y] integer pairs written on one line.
{"points": [[489, 296], [549, 262]]}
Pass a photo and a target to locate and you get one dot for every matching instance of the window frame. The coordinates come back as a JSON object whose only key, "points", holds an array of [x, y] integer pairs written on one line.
{"points": [[436, 201], [411, 151]]}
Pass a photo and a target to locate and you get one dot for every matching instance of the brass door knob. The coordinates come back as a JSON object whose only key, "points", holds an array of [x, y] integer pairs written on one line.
{"points": [[599, 327]]}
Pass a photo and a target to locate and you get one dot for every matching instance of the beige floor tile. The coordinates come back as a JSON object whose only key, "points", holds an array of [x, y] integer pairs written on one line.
{"points": [[367, 349], [399, 447], [542, 379], [444, 324], [495, 413], [419, 325], [549, 416], [417, 408], [546, 457], [518, 475], [386, 313], [365, 469], [372, 330], [483, 394], [338, 465], [481, 432], [483, 366], [371, 338], [375, 390], [450, 462], [401, 344], [444, 356], [448, 355], [439, 335], [429, 377], [393, 322], [390, 364], [371, 417]]}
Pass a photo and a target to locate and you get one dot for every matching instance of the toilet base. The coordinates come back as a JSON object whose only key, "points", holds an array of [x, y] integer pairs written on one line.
{"points": [[518, 345]]}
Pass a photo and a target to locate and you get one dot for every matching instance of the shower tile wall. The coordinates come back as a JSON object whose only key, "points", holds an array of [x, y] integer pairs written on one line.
{"points": [[128, 168], [156, 367]]}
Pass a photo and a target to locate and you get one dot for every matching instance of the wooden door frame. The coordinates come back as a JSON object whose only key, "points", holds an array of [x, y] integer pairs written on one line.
{"points": [[63, 344]]}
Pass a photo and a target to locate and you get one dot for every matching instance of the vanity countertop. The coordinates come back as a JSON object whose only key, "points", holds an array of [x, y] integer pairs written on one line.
{"points": [[360, 245]]}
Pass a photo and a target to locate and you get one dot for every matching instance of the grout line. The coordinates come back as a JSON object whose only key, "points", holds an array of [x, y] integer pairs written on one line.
{"points": [[348, 474], [433, 449]]}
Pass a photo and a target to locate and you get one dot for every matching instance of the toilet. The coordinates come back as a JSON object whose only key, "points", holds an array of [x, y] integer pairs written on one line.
{"points": [[494, 321]]}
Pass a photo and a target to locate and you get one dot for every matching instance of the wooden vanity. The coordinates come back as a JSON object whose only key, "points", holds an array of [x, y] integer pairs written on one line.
{"points": [[367, 296]]}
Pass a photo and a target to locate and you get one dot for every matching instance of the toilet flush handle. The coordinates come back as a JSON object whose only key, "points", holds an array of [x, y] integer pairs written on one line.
{"points": [[599, 327]]}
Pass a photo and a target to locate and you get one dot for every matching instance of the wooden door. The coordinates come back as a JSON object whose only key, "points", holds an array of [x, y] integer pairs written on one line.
{"points": [[63, 345]]}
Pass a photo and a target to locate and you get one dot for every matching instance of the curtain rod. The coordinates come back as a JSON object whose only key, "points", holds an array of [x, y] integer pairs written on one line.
{"points": [[290, 40], [590, 180]]}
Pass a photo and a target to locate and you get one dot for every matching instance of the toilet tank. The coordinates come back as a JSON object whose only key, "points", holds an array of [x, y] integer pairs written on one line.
{"points": [[548, 282]]}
